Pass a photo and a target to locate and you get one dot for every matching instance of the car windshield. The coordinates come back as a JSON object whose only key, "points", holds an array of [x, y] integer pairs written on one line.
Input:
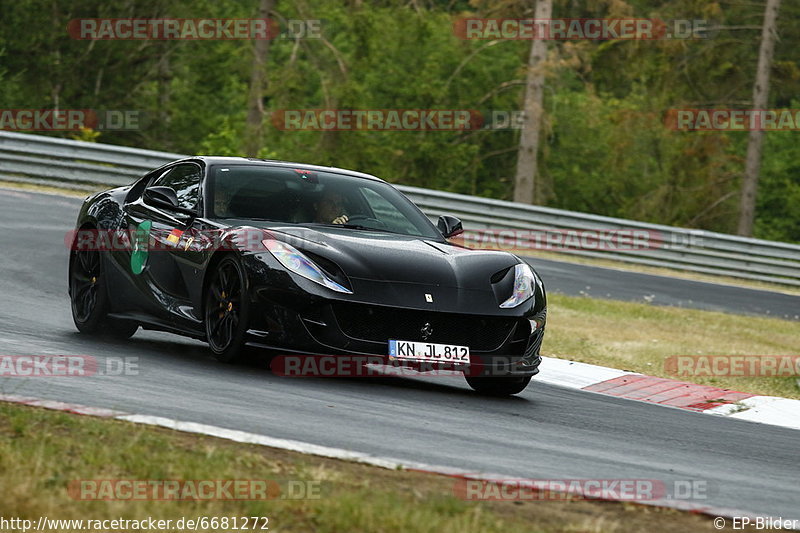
{"points": [[311, 197]]}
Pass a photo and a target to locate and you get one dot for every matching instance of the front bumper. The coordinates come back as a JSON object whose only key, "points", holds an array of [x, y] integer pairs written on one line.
{"points": [[297, 322]]}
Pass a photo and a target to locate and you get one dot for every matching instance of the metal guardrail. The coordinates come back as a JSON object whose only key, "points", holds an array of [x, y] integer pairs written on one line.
{"points": [[41, 159]]}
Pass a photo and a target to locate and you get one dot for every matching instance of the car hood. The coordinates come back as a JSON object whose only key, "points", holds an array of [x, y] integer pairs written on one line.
{"points": [[378, 256]]}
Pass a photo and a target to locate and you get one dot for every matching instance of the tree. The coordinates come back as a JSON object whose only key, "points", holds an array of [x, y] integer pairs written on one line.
{"points": [[525, 177], [747, 202], [258, 81]]}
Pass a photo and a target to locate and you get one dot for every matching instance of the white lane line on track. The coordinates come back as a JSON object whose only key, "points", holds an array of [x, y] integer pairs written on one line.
{"points": [[574, 375], [771, 410], [339, 453]]}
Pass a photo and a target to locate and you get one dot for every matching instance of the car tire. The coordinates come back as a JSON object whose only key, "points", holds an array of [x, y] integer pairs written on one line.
{"points": [[119, 329], [89, 297], [498, 386], [227, 310]]}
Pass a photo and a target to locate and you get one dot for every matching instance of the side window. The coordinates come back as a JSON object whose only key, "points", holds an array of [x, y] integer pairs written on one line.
{"points": [[387, 213], [185, 181]]}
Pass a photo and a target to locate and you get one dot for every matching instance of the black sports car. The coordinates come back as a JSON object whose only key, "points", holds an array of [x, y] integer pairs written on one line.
{"points": [[302, 259]]}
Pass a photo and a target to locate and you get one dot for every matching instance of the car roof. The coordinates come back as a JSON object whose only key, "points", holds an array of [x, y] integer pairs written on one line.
{"points": [[221, 160]]}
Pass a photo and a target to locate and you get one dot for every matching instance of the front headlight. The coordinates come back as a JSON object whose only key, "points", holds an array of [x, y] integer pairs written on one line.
{"points": [[294, 260], [524, 285]]}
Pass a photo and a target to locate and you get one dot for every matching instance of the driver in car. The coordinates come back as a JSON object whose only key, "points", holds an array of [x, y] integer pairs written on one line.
{"points": [[222, 202], [329, 208]]}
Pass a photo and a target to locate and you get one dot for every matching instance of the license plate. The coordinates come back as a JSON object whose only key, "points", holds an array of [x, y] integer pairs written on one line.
{"points": [[424, 351]]}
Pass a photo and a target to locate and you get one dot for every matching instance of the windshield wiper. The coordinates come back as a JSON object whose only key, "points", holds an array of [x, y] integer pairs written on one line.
{"points": [[354, 226], [269, 220]]}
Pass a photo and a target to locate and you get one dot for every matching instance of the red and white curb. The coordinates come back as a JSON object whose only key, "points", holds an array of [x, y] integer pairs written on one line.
{"points": [[771, 410], [347, 455]]}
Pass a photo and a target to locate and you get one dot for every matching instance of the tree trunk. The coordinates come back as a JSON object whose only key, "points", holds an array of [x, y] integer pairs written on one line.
{"points": [[258, 85], [525, 189], [747, 204], [164, 83]]}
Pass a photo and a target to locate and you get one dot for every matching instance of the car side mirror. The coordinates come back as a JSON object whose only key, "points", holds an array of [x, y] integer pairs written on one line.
{"points": [[449, 226], [164, 196], [167, 198]]}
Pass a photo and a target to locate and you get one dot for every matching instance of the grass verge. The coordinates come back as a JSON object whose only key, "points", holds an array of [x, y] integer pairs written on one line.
{"points": [[41, 451], [639, 337]]}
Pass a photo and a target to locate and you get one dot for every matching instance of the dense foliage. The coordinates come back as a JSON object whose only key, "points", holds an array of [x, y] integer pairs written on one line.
{"points": [[605, 147]]}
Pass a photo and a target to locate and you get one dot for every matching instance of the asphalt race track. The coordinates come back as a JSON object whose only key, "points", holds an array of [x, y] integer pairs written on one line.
{"points": [[546, 432], [597, 282]]}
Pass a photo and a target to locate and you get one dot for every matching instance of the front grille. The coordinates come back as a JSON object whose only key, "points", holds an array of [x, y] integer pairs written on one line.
{"points": [[379, 324]]}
